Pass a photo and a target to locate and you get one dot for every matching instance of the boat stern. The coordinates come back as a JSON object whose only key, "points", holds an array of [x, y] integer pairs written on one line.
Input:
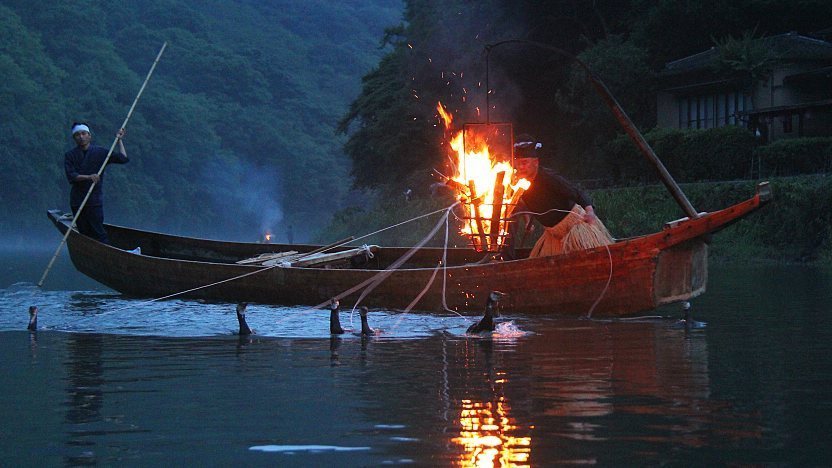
{"points": [[681, 272]]}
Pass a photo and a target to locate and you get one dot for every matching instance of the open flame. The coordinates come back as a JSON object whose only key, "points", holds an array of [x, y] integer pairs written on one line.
{"points": [[484, 183], [267, 237]]}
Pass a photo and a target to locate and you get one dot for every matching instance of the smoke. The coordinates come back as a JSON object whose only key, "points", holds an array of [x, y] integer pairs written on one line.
{"points": [[248, 194]]}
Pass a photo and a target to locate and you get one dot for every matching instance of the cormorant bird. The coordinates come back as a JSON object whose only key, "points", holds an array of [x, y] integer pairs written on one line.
{"points": [[33, 318], [365, 327], [486, 323], [241, 319], [334, 321]]}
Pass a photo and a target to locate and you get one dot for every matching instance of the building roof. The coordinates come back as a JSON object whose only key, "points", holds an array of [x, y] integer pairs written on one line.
{"points": [[790, 47]]}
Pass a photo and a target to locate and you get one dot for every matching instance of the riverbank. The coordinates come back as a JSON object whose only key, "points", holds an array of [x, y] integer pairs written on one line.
{"points": [[796, 227]]}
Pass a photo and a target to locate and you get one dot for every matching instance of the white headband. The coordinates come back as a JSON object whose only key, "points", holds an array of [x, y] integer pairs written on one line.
{"points": [[80, 128], [526, 144]]}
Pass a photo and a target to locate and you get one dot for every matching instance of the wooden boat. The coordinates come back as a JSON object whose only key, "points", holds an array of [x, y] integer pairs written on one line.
{"points": [[629, 276]]}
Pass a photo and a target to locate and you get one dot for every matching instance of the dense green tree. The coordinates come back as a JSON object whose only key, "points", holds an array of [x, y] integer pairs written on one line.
{"points": [[536, 89], [235, 132], [622, 67], [238, 123], [747, 56]]}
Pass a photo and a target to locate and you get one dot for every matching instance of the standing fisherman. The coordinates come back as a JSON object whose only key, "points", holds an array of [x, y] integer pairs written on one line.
{"points": [[82, 165]]}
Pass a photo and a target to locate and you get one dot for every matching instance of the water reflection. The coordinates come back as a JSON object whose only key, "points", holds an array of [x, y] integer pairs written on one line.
{"points": [[168, 383], [486, 435], [592, 371], [85, 397], [581, 384]]}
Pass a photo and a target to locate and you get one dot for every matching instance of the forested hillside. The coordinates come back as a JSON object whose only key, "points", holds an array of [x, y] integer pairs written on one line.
{"points": [[235, 131]]}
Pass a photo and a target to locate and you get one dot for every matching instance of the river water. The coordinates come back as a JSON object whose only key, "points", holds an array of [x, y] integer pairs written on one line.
{"points": [[112, 381]]}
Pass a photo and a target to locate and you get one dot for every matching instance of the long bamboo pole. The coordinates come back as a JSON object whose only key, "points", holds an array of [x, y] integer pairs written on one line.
{"points": [[623, 119], [103, 166]]}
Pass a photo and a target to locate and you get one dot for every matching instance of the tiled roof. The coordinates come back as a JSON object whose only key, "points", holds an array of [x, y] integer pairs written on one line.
{"points": [[789, 47]]}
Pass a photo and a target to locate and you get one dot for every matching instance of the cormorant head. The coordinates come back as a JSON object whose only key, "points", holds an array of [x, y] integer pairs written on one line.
{"points": [[495, 296]]}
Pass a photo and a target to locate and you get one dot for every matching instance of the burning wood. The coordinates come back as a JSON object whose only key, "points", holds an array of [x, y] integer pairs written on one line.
{"points": [[522, 186], [497, 209], [476, 203], [484, 180]]}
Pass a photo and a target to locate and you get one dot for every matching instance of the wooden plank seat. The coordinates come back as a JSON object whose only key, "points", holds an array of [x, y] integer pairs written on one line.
{"points": [[267, 256], [333, 258], [292, 258]]}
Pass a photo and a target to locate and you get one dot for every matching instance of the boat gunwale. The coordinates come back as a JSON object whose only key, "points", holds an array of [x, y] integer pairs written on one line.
{"points": [[663, 239]]}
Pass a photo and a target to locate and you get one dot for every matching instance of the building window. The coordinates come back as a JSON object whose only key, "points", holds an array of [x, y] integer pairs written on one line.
{"points": [[711, 110], [787, 124]]}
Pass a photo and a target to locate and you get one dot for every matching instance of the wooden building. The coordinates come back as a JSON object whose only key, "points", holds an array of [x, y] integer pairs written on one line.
{"points": [[777, 86]]}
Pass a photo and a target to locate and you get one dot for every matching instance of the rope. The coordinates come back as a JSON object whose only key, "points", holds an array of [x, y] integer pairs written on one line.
{"points": [[381, 276], [609, 256], [169, 296], [366, 249], [197, 288], [403, 223], [375, 280], [444, 264], [604, 291]]}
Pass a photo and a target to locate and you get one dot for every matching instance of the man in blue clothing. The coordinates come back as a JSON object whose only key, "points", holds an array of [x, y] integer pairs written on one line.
{"points": [[82, 165]]}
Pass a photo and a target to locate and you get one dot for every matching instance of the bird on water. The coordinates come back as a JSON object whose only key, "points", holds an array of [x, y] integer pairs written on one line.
{"points": [[365, 326], [334, 321], [33, 318], [241, 319], [486, 323]]}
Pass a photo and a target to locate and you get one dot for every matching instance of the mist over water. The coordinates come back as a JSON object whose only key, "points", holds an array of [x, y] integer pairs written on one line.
{"points": [[25, 264]]}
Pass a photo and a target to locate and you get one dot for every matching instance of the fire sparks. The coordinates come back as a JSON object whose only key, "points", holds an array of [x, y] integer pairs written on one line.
{"points": [[484, 180], [447, 118]]}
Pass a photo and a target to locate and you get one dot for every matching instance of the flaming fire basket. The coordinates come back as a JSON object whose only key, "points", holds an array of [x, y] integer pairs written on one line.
{"points": [[485, 183]]}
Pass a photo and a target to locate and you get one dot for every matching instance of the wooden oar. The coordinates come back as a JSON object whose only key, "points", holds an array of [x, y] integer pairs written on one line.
{"points": [[103, 166]]}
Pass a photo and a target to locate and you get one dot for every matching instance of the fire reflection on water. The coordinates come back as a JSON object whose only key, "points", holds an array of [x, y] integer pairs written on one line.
{"points": [[488, 436]]}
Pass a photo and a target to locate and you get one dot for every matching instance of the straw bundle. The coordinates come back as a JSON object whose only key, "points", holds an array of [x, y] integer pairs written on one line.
{"points": [[571, 234], [586, 236], [583, 235]]}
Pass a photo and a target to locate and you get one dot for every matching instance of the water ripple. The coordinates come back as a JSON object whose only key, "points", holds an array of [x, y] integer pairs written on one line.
{"points": [[106, 312]]}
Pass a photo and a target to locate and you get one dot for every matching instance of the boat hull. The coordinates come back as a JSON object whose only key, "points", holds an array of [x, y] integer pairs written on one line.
{"points": [[626, 277]]}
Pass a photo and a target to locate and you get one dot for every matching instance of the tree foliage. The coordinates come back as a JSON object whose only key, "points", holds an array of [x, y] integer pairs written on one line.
{"points": [[439, 55], [235, 132]]}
